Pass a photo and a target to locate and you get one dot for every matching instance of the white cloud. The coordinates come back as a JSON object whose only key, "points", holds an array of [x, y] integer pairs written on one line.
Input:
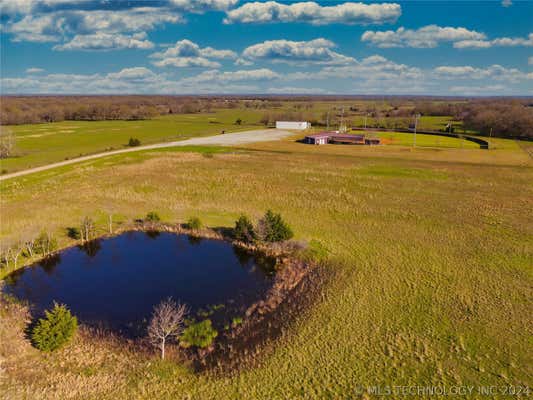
{"points": [[313, 13], [242, 61], [107, 41], [507, 3], [60, 24], [479, 90], [371, 69], [498, 42], [134, 74], [34, 70], [493, 72], [316, 51], [203, 5], [530, 60], [296, 90], [262, 74], [426, 37], [185, 53]]}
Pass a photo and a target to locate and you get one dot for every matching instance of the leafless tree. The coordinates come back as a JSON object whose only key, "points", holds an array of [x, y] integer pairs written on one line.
{"points": [[7, 142], [87, 229], [167, 323]]}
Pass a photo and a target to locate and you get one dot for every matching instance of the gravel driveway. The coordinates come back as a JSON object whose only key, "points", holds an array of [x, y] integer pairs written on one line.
{"points": [[228, 139]]}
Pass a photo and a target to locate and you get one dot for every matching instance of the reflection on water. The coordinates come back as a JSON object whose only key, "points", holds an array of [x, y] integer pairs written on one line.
{"points": [[116, 282]]}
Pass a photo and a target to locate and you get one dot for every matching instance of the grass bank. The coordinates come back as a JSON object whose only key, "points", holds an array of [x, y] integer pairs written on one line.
{"points": [[431, 250]]}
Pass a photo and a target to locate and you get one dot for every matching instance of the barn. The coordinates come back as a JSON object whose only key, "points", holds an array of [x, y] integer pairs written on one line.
{"points": [[347, 139], [318, 138], [296, 125]]}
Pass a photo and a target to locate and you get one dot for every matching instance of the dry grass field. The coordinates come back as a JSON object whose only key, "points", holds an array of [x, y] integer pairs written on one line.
{"points": [[431, 251]]}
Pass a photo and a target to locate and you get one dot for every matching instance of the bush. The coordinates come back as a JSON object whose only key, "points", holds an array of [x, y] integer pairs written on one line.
{"points": [[152, 216], [55, 330], [194, 223], [134, 142], [272, 228], [74, 233], [200, 334], [244, 230], [238, 121]]}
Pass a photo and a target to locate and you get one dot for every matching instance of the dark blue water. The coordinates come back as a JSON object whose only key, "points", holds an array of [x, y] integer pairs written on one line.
{"points": [[115, 283]]}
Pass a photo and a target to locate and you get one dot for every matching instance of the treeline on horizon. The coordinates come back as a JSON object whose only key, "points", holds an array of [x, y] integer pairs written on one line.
{"points": [[499, 117]]}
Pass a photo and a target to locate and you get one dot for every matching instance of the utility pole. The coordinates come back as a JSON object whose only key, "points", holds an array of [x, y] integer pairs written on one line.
{"points": [[416, 124], [327, 120]]}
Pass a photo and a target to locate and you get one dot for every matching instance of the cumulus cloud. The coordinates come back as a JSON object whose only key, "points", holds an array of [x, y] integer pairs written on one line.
{"points": [[296, 90], [530, 60], [185, 53], [262, 74], [34, 70], [426, 37], [57, 25], [203, 5], [313, 13], [507, 3], [498, 42], [107, 41], [318, 51], [493, 72]]}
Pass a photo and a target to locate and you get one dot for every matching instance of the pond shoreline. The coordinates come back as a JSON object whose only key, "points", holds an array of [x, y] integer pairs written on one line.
{"points": [[258, 325]]}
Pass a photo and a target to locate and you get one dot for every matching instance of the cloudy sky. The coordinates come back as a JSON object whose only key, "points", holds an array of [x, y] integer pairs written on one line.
{"points": [[232, 46]]}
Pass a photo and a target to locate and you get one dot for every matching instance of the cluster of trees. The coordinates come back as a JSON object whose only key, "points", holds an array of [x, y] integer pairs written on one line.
{"points": [[507, 119], [17, 110], [270, 228], [43, 245]]}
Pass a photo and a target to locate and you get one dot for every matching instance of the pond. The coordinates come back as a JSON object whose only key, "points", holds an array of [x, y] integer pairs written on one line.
{"points": [[114, 283]]}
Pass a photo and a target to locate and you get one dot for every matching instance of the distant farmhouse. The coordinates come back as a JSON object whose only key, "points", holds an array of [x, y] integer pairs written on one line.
{"points": [[297, 125], [339, 138]]}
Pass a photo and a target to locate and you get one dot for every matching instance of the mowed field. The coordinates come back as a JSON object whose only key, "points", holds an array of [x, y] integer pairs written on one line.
{"points": [[41, 144], [430, 251]]}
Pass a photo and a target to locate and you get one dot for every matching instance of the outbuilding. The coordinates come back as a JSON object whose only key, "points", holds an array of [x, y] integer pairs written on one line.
{"points": [[318, 138], [296, 125]]}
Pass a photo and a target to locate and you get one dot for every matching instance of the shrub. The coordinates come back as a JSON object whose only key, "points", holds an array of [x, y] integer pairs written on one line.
{"points": [[272, 228], [194, 223], [152, 216], [134, 142], [244, 230], [200, 334], [74, 233], [238, 121], [55, 329]]}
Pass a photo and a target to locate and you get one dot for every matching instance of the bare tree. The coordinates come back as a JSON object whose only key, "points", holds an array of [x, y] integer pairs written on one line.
{"points": [[7, 142], [167, 323], [87, 229]]}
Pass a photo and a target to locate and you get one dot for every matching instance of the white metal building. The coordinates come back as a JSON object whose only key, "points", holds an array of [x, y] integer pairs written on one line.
{"points": [[298, 125]]}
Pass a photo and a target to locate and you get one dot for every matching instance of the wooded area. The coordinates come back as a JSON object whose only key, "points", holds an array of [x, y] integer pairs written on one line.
{"points": [[499, 117]]}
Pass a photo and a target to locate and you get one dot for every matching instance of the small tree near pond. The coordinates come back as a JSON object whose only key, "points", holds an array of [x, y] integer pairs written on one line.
{"points": [[200, 334], [152, 216], [272, 228], [45, 244], [166, 323], [55, 329], [194, 223], [244, 230]]}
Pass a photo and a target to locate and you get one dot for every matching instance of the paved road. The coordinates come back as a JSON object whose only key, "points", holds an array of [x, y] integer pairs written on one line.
{"points": [[228, 139]]}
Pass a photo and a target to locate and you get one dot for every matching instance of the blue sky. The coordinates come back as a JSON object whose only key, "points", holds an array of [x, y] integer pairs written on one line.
{"points": [[231, 46]]}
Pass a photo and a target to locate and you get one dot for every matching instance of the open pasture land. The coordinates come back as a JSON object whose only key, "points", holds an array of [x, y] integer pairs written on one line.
{"points": [[430, 252], [41, 144]]}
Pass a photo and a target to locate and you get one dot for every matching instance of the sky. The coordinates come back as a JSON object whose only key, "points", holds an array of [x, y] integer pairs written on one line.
{"points": [[455, 48]]}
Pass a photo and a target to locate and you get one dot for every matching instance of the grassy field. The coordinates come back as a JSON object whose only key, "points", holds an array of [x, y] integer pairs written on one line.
{"points": [[431, 249], [43, 144]]}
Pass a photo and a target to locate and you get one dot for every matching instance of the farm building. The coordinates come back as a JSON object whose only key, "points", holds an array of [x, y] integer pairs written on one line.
{"points": [[319, 138], [298, 125], [339, 138]]}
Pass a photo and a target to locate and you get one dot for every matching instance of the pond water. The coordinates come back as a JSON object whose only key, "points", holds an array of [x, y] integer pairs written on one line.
{"points": [[115, 283]]}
